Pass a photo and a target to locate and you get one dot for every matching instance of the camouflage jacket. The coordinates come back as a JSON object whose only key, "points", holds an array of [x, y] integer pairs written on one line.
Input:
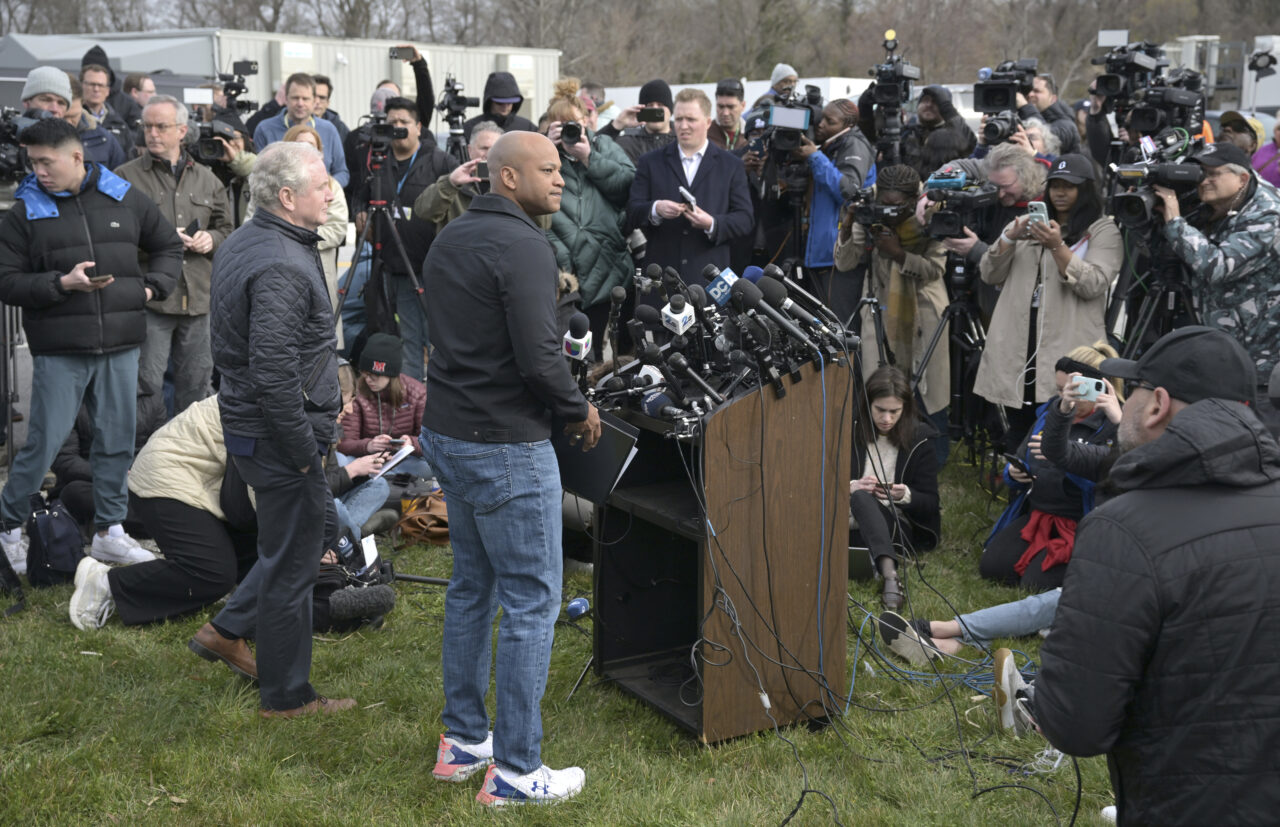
{"points": [[1235, 266]]}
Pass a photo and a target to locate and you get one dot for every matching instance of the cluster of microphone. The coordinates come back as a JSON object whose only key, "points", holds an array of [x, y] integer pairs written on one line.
{"points": [[701, 347]]}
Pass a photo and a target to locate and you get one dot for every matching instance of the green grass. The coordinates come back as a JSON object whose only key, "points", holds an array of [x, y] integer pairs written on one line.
{"points": [[125, 726]]}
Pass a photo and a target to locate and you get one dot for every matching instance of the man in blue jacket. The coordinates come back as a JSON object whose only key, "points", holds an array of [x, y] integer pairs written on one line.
{"points": [[300, 102]]}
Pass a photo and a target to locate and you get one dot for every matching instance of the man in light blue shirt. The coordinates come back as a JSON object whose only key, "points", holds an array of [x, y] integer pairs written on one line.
{"points": [[300, 101]]}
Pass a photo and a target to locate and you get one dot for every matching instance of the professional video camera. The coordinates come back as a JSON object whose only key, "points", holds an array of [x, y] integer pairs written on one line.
{"points": [[788, 121], [956, 206], [381, 134], [1174, 101], [996, 94], [453, 104], [208, 149], [893, 88], [1166, 164], [1129, 68], [233, 85], [13, 162], [869, 213]]}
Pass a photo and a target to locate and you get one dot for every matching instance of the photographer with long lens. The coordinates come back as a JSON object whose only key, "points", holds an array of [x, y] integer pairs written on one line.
{"points": [[1054, 270], [410, 166], [588, 232], [1228, 244]]}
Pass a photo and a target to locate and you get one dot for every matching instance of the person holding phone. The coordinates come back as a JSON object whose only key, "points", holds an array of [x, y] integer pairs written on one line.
{"points": [[1052, 476], [452, 192], [647, 125], [388, 408], [1054, 276]]}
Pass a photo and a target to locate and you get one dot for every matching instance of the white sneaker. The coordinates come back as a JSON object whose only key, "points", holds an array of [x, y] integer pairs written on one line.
{"points": [[15, 550], [122, 549], [542, 786], [456, 761], [1009, 693], [91, 603], [1109, 813]]}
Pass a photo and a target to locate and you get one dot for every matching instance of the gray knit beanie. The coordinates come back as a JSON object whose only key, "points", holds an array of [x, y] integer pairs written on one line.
{"points": [[47, 79]]}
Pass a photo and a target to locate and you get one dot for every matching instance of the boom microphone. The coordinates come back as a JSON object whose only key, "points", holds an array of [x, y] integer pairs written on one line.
{"points": [[680, 363], [753, 299], [351, 602]]}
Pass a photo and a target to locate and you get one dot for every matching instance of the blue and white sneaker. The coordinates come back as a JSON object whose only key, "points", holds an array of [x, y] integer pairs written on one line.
{"points": [[456, 761], [542, 786]]}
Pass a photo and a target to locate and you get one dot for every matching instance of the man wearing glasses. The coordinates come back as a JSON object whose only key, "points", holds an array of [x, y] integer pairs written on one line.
{"points": [[192, 198], [96, 81], [324, 91]]}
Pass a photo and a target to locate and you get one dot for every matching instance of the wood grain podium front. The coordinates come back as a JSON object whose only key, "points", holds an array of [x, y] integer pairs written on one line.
{"points": [[688, 614]]}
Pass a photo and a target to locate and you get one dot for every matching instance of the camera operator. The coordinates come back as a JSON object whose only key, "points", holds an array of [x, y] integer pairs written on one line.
{"points": [[1042, 102], [412, 165], [1228, 244], [451, 194], [782, 84], [905, 278], [636, 136], [501, 105], [1032, 134], [727, 130], [587, 233], [934, 112], [233, 168]]}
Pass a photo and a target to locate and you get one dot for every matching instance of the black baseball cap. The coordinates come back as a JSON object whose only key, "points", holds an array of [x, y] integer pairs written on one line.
{"points": [[1193, 363], [1222, 153], [730, 87], [1072, 168]]}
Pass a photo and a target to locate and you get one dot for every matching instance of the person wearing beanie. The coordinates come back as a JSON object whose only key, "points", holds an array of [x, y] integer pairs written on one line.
{"points": [[388, 407], [636, 137], [782, 83], [47, 89]]}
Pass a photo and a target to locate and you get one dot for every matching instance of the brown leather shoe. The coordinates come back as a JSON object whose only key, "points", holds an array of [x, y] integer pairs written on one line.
{"points": [[213, 647], [323, 705]]}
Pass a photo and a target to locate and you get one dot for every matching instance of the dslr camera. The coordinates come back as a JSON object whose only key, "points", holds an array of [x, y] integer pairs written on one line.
{"points": [[870, 213], [996, 95], [570, 133]]}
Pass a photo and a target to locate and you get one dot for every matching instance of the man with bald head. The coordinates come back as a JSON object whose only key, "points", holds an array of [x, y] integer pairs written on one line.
{"points": [[496, 383]]}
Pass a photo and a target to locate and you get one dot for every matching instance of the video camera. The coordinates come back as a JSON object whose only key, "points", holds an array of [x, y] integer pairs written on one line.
{"points": [[1166, 164], [893, 80], [381, 134], [208, 149], [787, 120], [233, 85], [1129, 68], [1175, 101], [869, 213], [453, 104], [13, 161], [956, 204], [996, 94]]}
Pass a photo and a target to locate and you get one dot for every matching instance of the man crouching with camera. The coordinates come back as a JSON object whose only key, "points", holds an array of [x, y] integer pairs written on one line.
{"points": [[1229, 245]]}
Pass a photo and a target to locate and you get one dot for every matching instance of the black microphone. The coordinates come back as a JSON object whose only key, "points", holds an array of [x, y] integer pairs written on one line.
{"points": [[753, 299], [617, 296], [671, 275], [680, 363], [773, 271], [776, 295], [745, 369], [658, 405], [651, 355], [649, 316], [351, 602]]}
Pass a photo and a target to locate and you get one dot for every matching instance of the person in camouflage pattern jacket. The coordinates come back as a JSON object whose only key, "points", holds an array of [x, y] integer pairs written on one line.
{"points": [[1231, 245]]}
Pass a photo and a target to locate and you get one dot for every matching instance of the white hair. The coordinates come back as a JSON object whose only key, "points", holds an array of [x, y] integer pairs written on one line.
{"points": [[180, 110], [278, 166], [483, 127], [1052, 146]]}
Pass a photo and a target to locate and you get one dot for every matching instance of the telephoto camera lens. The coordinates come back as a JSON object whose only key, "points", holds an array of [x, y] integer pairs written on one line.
{"points": [[570, 133]]}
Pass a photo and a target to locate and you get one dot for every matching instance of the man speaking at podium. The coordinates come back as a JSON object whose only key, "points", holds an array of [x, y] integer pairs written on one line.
{"points": [[495, 382]]}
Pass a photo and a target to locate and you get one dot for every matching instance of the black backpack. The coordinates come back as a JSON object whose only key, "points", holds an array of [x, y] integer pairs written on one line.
{"points": [[54, 543]]}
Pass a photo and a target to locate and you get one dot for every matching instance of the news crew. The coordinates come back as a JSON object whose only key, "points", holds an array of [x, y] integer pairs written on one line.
{"points": [[1229, 245], [491, 401]]}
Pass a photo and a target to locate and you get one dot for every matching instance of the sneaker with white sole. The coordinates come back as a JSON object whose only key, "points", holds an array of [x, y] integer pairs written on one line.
{"points": [[542, 786], [15, 550], [1010, 694], [456, 761], [91, 603], [121, 549]]}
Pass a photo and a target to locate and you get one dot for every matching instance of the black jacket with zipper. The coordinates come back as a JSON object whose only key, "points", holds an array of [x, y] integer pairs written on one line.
{"points": [[107, 222], [271, 327]]}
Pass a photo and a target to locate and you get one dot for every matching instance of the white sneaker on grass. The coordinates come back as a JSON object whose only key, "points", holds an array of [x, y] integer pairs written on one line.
{"points": [[119, 548], [1010, 693], [91, 602], [542, 786], [15, 548], [456, 761]]}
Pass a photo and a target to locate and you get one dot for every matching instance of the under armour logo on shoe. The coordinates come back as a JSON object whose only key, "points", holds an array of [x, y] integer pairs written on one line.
{"points": [[539, 786]]}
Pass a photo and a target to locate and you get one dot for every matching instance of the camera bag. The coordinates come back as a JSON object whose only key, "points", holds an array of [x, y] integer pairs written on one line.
{"points": [[55, 545]]}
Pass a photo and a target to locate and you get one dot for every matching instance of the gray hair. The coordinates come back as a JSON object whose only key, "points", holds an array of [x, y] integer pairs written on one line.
{"points": [[1052, 146], [1029, 172], [180, 110], [278, 166], [1236, 169], [481, 128]]}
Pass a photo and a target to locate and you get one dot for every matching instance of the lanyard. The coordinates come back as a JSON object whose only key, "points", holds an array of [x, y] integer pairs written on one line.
{"points": [[408, 169]]}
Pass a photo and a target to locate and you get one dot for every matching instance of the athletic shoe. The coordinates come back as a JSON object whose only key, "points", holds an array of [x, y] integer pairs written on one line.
{"points": [[456, 761], [542, 786], [122, 549], [905, 641], [1010, 694], [1109, 813], [91, 602], [16, 551]]}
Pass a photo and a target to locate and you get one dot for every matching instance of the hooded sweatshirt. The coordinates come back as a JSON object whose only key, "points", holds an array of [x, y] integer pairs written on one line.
{"points": [[1163, 651], [501, 85]]}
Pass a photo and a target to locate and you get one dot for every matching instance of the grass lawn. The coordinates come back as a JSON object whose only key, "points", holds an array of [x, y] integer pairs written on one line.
{"points": [[125, 726]]}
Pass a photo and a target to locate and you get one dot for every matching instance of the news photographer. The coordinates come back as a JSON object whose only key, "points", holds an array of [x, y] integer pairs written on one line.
{"points": [[588, 231], [646, 126], [355, 146], [411, 166], [934, 112], [1228, 244], [1053, 268], [451, 194], [1042, 102], [905, 279]]}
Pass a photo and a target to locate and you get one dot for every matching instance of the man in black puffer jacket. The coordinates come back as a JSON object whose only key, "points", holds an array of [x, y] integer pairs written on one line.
{"points": [[1163, 652], [69, 259], [271, 325]]}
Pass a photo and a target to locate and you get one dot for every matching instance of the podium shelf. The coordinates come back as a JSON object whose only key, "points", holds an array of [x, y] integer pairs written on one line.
{"points": [[670, 505]]}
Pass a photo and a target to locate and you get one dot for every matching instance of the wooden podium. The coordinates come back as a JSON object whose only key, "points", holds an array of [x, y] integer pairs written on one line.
{"points": [[675, 598]]}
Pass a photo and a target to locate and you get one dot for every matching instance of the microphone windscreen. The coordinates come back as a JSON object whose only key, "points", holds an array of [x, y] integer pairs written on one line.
{"points": [[747, 292], [775, 292], [648, 314], [579, 324], [697, 296], [650, 354], [677, 360], [752, 274], [653, 271], [773, 271], [740, 357], [653, 402], [370, 601], [618, 295], [710, 272]]}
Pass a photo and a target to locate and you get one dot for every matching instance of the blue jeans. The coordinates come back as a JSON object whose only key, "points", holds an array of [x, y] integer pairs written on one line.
{"points": [[357, 505], [413, 325], [108, 386], [1021, 617], [504, 525]]}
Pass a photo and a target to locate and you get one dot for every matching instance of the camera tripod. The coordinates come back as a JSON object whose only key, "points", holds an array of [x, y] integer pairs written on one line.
{"points": [[1166, 305], [456, 145], [379, 226]]}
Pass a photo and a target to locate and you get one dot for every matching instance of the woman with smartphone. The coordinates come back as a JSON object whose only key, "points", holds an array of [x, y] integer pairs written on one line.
{"points": [[388, 408], [1053, 266], [1032, 541]]}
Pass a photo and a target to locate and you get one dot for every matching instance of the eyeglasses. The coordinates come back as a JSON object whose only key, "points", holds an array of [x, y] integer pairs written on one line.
{"points": [[91, 85], [159, 127], [1131, 385]]}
